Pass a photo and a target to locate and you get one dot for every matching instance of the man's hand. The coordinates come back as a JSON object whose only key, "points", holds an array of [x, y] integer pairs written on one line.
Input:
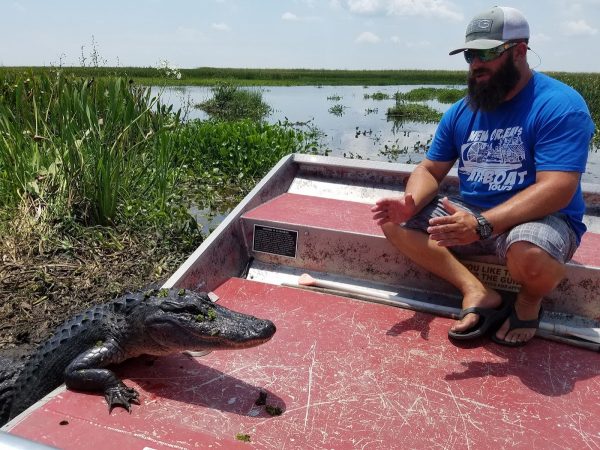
{"points": [[459, 228], [394, 209]]}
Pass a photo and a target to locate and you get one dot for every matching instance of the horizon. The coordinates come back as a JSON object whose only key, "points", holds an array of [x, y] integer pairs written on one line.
{"points": [[317, 69]]}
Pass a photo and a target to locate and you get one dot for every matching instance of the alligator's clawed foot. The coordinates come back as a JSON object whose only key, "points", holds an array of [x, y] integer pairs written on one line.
{"points": [[122, 396]]}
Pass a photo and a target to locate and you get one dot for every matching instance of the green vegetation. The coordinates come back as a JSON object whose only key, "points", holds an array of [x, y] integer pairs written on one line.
{"points": [[211, 315], [96, 181], [225, 159], [395, 151], [84, 148], [404, 111], [377, 96], [337, 109], [210, 76], [230, 102], [427, 93], [243, 437]]}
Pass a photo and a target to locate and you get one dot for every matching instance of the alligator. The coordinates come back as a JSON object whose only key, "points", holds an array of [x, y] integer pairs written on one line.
{"points": [[157, 322]]}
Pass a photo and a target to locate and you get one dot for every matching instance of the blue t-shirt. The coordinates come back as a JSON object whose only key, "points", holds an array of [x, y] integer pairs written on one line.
{"points": [[545, 127]]}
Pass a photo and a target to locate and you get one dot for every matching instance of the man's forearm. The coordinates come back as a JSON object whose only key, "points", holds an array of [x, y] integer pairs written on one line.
{"points": [[424, 185]]}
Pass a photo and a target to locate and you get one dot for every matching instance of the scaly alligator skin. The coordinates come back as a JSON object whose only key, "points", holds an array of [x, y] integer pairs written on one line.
{"points": [[152, 323]]}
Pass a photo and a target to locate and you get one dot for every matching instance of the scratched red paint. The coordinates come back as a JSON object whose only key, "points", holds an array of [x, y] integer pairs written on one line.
{"points": [[347, 374]]}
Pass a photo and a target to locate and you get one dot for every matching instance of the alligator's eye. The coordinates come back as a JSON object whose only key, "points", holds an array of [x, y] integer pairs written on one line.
{"points": [[179, 307]]}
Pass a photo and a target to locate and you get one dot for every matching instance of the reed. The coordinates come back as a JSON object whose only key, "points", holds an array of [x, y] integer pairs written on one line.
{"points": [[83, 146]]}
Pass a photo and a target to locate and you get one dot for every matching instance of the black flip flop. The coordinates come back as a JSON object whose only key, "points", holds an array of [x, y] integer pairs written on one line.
{"points": [[489, 318], [513, 323]]}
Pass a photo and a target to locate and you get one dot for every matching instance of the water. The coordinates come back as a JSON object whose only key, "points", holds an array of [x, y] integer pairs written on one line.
{"points": [[361, 131]]}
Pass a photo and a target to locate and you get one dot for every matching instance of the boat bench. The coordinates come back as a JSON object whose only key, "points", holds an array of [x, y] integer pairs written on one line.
{"points": [[338, 236]]}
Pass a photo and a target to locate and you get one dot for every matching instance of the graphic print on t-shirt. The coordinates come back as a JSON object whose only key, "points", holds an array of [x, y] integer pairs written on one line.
{"points": [[494, 158]]}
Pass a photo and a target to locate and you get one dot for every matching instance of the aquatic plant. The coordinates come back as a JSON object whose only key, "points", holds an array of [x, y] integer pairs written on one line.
{"points": [[337, 110], [377, 96], [231, 102], [403, 111], [429, 93]]}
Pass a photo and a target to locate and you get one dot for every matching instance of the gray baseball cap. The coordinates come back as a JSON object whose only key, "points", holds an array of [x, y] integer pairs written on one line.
{"points": [[493, 28]]}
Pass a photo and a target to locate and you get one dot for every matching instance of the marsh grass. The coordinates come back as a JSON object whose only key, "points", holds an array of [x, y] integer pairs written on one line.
{"points": [[377, 96], [232, 102], [210, 76], [404, 111], [80, 145], [442, 95]]}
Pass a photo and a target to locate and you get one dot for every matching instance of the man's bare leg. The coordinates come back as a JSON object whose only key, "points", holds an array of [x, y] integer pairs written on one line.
{"points": [[538, 273], [417, 246]]}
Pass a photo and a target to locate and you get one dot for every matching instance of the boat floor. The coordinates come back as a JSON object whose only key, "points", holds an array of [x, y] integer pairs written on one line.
{"points": [[345, 374]]}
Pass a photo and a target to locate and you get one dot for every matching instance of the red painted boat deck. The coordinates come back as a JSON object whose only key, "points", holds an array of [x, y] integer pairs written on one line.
{"points": [[346, 374]]}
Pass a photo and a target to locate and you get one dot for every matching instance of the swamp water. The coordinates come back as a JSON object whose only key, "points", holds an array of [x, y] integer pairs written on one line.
{"points": [[357, 127], [361, 130]]}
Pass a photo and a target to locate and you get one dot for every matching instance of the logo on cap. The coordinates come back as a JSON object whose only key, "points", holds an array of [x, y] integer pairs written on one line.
{"points": [[480, 26]]}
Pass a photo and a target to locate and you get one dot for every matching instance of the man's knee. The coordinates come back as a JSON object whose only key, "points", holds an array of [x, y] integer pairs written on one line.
{"points": [[404, 239], [391, 229], [528, 262]]}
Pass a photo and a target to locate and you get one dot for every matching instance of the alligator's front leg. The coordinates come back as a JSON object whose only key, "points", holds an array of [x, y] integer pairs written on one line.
{"points": [[87, 373]]}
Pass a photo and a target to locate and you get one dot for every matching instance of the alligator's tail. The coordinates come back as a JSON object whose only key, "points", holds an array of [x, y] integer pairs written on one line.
{"points": [[9, 370]]}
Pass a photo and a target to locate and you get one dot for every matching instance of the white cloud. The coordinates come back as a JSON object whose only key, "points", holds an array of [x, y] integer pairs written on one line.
{"points": [[410, 44], [428, 8], [443, 9], [221, 27], [364, 6], [578, 28], [366, 37], [289, 16]]}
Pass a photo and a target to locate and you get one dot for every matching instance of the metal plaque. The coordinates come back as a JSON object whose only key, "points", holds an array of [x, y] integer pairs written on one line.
{"points": [[277, 241]]}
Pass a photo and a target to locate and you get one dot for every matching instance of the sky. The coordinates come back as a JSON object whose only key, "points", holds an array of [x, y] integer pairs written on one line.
{"points": [[327, 34]]}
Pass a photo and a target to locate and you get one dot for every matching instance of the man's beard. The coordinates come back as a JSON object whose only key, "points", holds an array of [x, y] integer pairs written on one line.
{"points": [[488, 95]]}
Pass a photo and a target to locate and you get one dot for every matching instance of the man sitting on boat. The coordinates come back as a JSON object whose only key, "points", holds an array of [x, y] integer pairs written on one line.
{"points": [[521, 140]]}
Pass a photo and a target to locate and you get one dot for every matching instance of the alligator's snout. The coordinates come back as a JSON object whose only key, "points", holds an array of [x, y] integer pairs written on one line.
{"points": [[250, 333], [265, 329]]}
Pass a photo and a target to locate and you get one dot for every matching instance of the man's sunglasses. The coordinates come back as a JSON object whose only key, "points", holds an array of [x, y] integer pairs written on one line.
{"points": [[489, 54]]}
